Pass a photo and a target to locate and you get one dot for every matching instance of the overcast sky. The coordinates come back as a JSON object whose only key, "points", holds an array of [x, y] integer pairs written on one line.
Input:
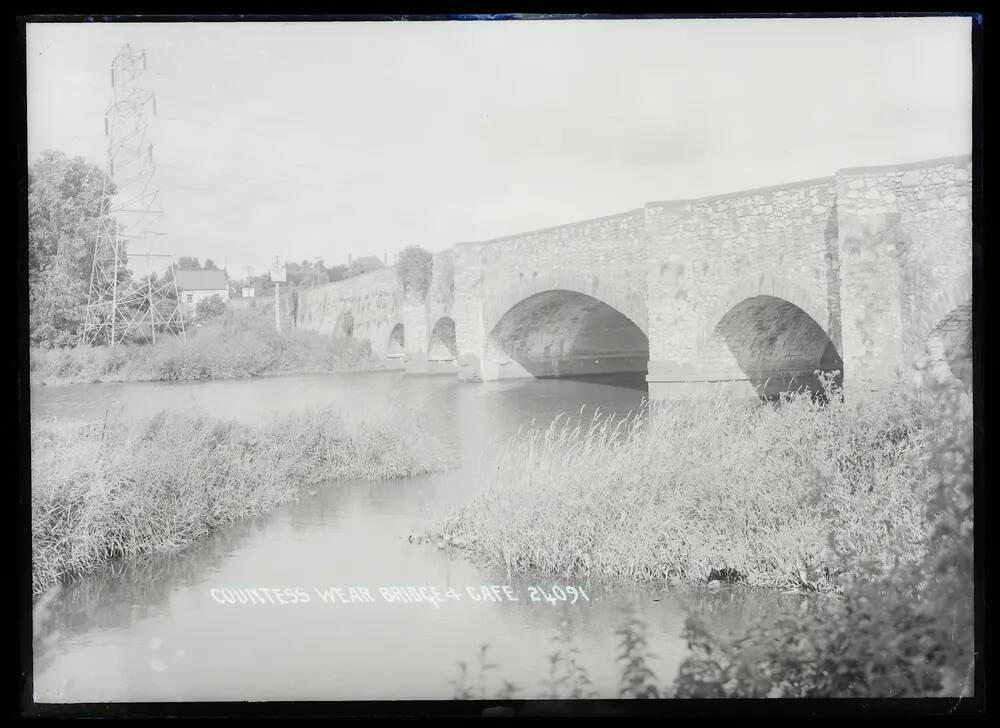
{"points": [[329, 139]]}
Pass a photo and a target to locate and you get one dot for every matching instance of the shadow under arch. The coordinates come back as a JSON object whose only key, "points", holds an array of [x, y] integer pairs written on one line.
{"points": [[442, 345], [397, 342], [564, 333], [778, 346]]}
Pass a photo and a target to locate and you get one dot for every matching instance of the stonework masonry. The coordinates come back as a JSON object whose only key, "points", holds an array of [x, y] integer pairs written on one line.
{"points": [[867, 272]]}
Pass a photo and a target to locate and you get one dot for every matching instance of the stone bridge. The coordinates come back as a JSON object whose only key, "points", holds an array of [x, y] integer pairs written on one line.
{"points": [[867, 273]]}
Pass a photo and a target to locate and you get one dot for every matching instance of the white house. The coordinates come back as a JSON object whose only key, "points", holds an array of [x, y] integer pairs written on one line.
{"points": [[195, 285]]}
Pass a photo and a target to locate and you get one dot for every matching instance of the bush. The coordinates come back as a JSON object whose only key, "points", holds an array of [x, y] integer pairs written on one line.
{"points": [[900, 630], [414, 269], [209, 308]]}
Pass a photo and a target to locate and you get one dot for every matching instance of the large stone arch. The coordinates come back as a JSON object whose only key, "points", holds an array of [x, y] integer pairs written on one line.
{"points": [[763, 283], [630, 300], [770, 332], [560, 333]]}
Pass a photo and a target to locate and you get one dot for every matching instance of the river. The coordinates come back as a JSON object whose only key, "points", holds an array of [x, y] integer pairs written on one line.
{"points": [[152, 628]]}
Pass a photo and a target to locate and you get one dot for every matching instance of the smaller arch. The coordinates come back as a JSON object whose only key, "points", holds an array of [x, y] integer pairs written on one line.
{"points": [[442, 346], [345, 325], [396, 348], [947, 353], [957, 294]]}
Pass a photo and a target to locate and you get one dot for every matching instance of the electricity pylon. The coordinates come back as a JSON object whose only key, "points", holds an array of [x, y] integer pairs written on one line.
{"points": [[125, 301]]}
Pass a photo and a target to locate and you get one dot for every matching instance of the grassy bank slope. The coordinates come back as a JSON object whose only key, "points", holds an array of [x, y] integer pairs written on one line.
{"points": [[774, 496], [103, 490], [237, 344]]}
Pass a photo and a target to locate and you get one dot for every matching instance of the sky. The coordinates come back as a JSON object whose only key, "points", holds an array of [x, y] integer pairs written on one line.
{"points": [[331, 140]]}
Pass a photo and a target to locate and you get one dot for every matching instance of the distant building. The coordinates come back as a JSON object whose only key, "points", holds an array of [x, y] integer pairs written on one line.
{"points": [[195, 285]]}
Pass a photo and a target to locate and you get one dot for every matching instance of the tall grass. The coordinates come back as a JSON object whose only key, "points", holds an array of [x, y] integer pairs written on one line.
{"points": [[101, 490], [235, 345], [902, 623], [771, 495]]}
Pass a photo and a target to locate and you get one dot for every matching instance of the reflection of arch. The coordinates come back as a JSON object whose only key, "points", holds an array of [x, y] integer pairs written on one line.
{"points": [[345, 324], [442, 345], [778, 345], [561, 333], [397, 342]]}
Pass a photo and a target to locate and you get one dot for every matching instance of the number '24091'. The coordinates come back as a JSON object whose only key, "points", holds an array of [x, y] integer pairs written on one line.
{"points": [[556, 594]]}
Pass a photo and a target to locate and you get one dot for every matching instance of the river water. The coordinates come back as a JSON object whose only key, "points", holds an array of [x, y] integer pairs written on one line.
{"points": [[153, 629]]}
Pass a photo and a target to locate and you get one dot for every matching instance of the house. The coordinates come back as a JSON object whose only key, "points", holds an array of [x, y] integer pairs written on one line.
{"points": [[195, 285]]}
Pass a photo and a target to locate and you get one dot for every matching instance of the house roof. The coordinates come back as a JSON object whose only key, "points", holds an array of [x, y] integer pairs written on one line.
{"points": [[201, 280]]}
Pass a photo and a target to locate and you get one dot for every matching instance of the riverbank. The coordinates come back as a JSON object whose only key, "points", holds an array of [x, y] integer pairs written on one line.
{"points": [[102, 490], [793, 496], [236, 345]]}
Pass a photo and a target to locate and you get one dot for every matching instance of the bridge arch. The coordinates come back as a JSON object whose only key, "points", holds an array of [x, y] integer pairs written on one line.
{"points": [[442, 345], [627, 296], [777, 345], [396, 347], [767, 284], [562, 333], [944, 346], [345, 324]]}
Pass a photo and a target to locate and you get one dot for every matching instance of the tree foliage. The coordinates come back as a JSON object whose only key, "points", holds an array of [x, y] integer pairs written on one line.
{"points": [[210, 307], [64, 209], [360, 266], [414, 269]]}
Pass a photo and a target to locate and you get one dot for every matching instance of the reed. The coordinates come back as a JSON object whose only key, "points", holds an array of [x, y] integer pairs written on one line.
{"points": [[773, 495], [103, 490]]}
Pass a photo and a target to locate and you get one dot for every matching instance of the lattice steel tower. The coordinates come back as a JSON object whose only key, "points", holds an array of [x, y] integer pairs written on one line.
{"points": [[128, 301]]}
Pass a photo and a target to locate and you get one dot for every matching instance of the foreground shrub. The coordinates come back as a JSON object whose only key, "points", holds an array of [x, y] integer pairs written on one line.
{"points": [[902, 630], [101, 490], [700, 488]]}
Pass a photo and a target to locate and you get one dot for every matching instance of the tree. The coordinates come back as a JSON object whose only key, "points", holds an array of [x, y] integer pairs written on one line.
{"points": [[414, 269], [364, 265], [336, 273], [210, 307], [64, 210], [209, 265], [188, 263]]}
